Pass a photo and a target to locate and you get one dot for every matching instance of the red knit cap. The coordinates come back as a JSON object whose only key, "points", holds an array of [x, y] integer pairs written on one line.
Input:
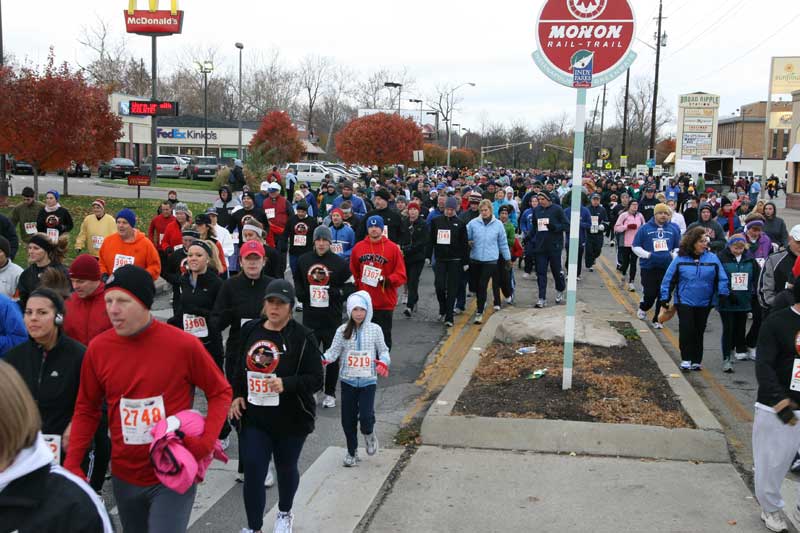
{"points": [[413, 205], [85, 267]]}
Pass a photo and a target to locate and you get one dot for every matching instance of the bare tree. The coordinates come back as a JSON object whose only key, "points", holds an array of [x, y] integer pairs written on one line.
{"points": [[336, 101], [111, 58], [312, 75], [444, 102], [370, 92], [269, 86], [639, 116]]}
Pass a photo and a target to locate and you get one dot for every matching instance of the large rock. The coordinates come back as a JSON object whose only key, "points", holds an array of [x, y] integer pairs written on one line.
{"points": [[548, 324]]}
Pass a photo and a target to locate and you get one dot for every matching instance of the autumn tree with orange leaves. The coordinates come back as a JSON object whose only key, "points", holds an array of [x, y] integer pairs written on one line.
{"points": [[53, 116], [380, 139]]}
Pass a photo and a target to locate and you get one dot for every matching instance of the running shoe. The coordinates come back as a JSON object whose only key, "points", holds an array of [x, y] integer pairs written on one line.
{"points": [[686, 366], [751, 354], [727, 366], [283, 522], [741, 356], [631, 288], [526, 276], [795, 463], [224, 443], [540, 303], [578, 278], [405, 299], [448, 323], [774, 521], [510, 300], [658, 325], [559, 297], [697, 367], [371, 443], [496, 308], [478, 319], [441, 318], [641, 315], [591, 269], [458, 311], [407, 312], [350, 460], [329, 401], [269, 481]]}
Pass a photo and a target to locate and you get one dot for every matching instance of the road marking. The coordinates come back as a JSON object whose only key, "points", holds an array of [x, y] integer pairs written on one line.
{"points": [[739, 411]]}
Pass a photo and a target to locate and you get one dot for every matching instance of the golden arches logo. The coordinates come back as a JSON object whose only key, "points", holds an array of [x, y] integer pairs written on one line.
{"points": [[153, 6]]}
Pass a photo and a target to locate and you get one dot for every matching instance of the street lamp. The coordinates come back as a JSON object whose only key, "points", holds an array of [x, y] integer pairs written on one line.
{"points": [[399, 87], [240, 46], [205, 68], [417, 101], [450, 108]]}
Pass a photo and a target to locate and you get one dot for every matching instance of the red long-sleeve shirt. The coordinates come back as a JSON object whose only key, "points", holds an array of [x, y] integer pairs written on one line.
{"points": [[159, 361], [386, 256], [158, 227]]}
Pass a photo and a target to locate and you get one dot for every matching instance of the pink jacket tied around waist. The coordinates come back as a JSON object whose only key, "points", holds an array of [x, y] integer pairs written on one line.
{"points": [[175, 466]]}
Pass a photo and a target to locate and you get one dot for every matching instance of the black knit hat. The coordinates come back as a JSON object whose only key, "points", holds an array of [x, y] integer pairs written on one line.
{"points": [[134, 280], [42, 242], [5, 246]]}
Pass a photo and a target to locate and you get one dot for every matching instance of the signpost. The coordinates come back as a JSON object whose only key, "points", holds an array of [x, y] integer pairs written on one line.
{"points": [[582, 44], [140, 181]]}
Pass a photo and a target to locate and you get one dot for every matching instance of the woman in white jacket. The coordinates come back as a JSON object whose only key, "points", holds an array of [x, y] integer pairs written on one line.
{"points": [[364, 356]]}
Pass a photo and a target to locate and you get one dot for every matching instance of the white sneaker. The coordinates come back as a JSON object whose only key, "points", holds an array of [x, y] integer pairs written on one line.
{"points": [[658, 325], [741, 356], [510, 300], [328, 402], [350, 460], [686, 365], [631, 288], [371, 441], [405, 300], [478, 319], [269, 481], [526, 276], [283, 522], [298, 306], [559, 297], [641, 315], [774, 521], [496, 308], [540, 303], [246, 530], [457, 311], [224, 443], [751, 354]]}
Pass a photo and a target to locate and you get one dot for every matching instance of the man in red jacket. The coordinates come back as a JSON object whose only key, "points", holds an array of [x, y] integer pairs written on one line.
{"points": [[126, 367], [378, 268], [278, 210], [158, 226], [86, 315]]}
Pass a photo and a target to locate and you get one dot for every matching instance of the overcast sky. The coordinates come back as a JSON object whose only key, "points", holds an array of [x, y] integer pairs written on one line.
{"points": [[443, 41]]}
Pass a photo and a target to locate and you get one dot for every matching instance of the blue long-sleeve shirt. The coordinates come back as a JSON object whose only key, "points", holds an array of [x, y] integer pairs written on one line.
{"points": [[12, 327], [358, 204], [666, 238]]}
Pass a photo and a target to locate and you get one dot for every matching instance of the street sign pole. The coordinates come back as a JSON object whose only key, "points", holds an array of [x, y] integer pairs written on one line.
{"points": [[574, 236]]}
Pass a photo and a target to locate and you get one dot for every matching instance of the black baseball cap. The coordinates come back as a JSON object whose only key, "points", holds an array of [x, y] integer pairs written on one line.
{"points": [[281, 289]]}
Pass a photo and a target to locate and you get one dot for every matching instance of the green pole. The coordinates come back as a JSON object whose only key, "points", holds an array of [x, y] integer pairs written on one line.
{"points": [[574, 235]]}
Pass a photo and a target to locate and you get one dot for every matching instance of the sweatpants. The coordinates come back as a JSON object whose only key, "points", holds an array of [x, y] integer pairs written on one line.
{"points": [[752, 336], [542, 262], [774, 447], [383, 317], [581, 253], [651, 285], [153, 509], [461, 293], [325, 337], [691, 327], [257, 447], [446, 277], [594, 247], [627, 262], [733, 338], [358, 407], [100, 454], [481, 274], [413, 273]]}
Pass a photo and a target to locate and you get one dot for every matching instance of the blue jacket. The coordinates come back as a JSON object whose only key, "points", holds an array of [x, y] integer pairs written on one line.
{"points": [[650, 232], [358, 204], [550, 241], [723, 221], [12, 327], [525, 221], [696, 283], [585, 224], [313, 208], [512, 217], [489, 241], [344, 236], [741, 296], [672, 193]]}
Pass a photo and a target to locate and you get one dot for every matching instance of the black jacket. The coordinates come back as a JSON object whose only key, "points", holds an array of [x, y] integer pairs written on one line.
{"points": [[300, 368], [199, 301], [59, 219], [300, 228], [175, 267], [240, 298], [29, 280], [236, 220], [47, 501], [776, 356], [329, 270], [415, 241], [647, 207], [52, 378], [459, 245], [392, 220], [7, 230]]}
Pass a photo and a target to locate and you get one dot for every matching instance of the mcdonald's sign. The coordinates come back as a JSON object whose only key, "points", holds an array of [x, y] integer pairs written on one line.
{"points": [[153, 21]]}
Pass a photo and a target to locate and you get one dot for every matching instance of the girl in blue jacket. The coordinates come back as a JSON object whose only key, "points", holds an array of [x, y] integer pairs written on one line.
{"points": [[697, 279]]}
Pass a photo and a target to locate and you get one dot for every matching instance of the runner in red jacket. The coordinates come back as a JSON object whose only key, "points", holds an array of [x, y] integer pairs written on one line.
{"points": [[378, 268], [127, 367], [86, 316]]}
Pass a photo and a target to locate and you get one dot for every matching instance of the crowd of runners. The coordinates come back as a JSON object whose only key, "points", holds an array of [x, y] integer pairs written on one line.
{"points": [[283, 300]]}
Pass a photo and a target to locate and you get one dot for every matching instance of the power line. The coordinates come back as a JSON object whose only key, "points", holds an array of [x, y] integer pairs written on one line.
{"points": [[708, 30]]}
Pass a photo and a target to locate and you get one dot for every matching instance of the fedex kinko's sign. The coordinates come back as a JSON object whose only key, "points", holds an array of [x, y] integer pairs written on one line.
{"points": [[585, 34], [153, 21]]}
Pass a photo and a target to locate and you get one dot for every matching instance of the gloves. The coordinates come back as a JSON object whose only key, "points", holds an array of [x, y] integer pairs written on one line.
{"points": [[785, 411], [508, 265], [428, 262], [466, 267], [632, 226], [664, 304], [324, 362], [381, 369], [197, 446], [601, 227]]}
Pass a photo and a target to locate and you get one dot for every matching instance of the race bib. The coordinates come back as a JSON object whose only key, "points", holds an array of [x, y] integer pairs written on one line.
{"points": [[54, 443], [30, 228], [52, 234], [97, 241], [177, 247], [319, 296], [337, 248], [259, 392], [795, 384], [761, 261], [660, 245], [270, 211], [358, 364], [443, 236], [595, 223], [139, 417], [386, 231], [327, 208], [299, 240], [235, 238], [370, 275], [739, 281], [195, 325], [541, 224], [122, 260]]}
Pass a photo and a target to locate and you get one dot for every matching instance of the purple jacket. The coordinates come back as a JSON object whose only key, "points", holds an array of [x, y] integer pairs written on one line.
{"points": [[761, 249]]}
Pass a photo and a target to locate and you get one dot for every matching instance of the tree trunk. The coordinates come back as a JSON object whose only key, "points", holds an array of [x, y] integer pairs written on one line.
{"points": [[36, 182], [66, 188], [330, 136]]}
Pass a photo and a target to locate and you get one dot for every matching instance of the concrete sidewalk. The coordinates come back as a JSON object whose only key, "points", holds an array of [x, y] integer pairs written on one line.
{"points": [[489, 490]]}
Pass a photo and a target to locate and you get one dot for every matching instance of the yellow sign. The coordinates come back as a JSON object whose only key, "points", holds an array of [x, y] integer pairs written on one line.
{"points": [[153, 6], [609, 166], [785, 75], [605, 153]]}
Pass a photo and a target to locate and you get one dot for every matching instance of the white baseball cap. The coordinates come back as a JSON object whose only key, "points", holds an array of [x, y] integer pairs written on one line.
{"points": [[274, 186], [264, 186], [795, 233]]}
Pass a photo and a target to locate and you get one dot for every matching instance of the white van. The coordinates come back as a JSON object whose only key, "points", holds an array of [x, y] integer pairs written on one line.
{"points": [[308, 171]]}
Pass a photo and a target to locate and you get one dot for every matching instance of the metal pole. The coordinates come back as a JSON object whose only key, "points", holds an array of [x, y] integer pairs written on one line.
{"points": [[602, 118], [574, 229], [240, 105], [153, 119], [625, 117], [3, 178], [399, 95], [449, 134], [205, 111], [766, 125], [655, 92]]}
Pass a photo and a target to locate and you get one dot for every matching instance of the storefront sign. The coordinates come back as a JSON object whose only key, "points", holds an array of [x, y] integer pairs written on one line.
{"points": [[153, 21], [785, 75], [698, 100], [152, 108], [183, 133], [780, 120], [697, 125]]}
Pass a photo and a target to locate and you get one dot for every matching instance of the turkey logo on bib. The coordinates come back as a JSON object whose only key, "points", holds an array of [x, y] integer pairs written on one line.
{"points": [[319, 274], [52, 221], [263, 356]]}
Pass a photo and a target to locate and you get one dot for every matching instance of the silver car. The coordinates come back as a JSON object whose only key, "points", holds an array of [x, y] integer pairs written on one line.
{"points": [[167, 166]]}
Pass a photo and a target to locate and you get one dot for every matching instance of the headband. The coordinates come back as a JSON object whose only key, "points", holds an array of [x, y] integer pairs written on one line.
{"points": [[752, 223], [252, 228], [204, 245], [735, 239]]}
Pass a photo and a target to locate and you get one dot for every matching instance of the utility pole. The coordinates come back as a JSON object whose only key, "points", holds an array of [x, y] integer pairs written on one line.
{"points": [[655, 90], [588, 145], [154, 118], [602, 118], [3, 177], [625, 118]]}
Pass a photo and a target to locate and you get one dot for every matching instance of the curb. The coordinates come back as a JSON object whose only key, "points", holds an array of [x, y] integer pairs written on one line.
{"points": [[707, 443]]}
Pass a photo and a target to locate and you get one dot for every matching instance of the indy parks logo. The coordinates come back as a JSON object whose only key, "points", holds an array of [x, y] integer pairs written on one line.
{"points": [[586, 9], [582, 65]]}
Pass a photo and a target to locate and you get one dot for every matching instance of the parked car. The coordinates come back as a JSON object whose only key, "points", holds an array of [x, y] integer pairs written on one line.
{"points": [[308, 171], [167, 166], [203, 167], [21, 167], [77, 170], [119, 167]]}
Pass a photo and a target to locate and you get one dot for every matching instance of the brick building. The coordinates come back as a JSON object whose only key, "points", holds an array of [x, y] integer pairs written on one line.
{"points": [[744, 132]]}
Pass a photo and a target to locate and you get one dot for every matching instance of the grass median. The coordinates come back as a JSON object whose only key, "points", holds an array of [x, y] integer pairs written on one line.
{"points": [[172, 183]]}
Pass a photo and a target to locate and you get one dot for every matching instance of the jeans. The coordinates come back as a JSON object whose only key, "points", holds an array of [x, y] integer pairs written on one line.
{"points": [[481, 274], [628, 260], [733, 338], [651, 283], [293, 264], [153, 509], [358, 406], [553, 260], [446, 278], [691, 327], [383, 317], [257, 446], [413, 273]]}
